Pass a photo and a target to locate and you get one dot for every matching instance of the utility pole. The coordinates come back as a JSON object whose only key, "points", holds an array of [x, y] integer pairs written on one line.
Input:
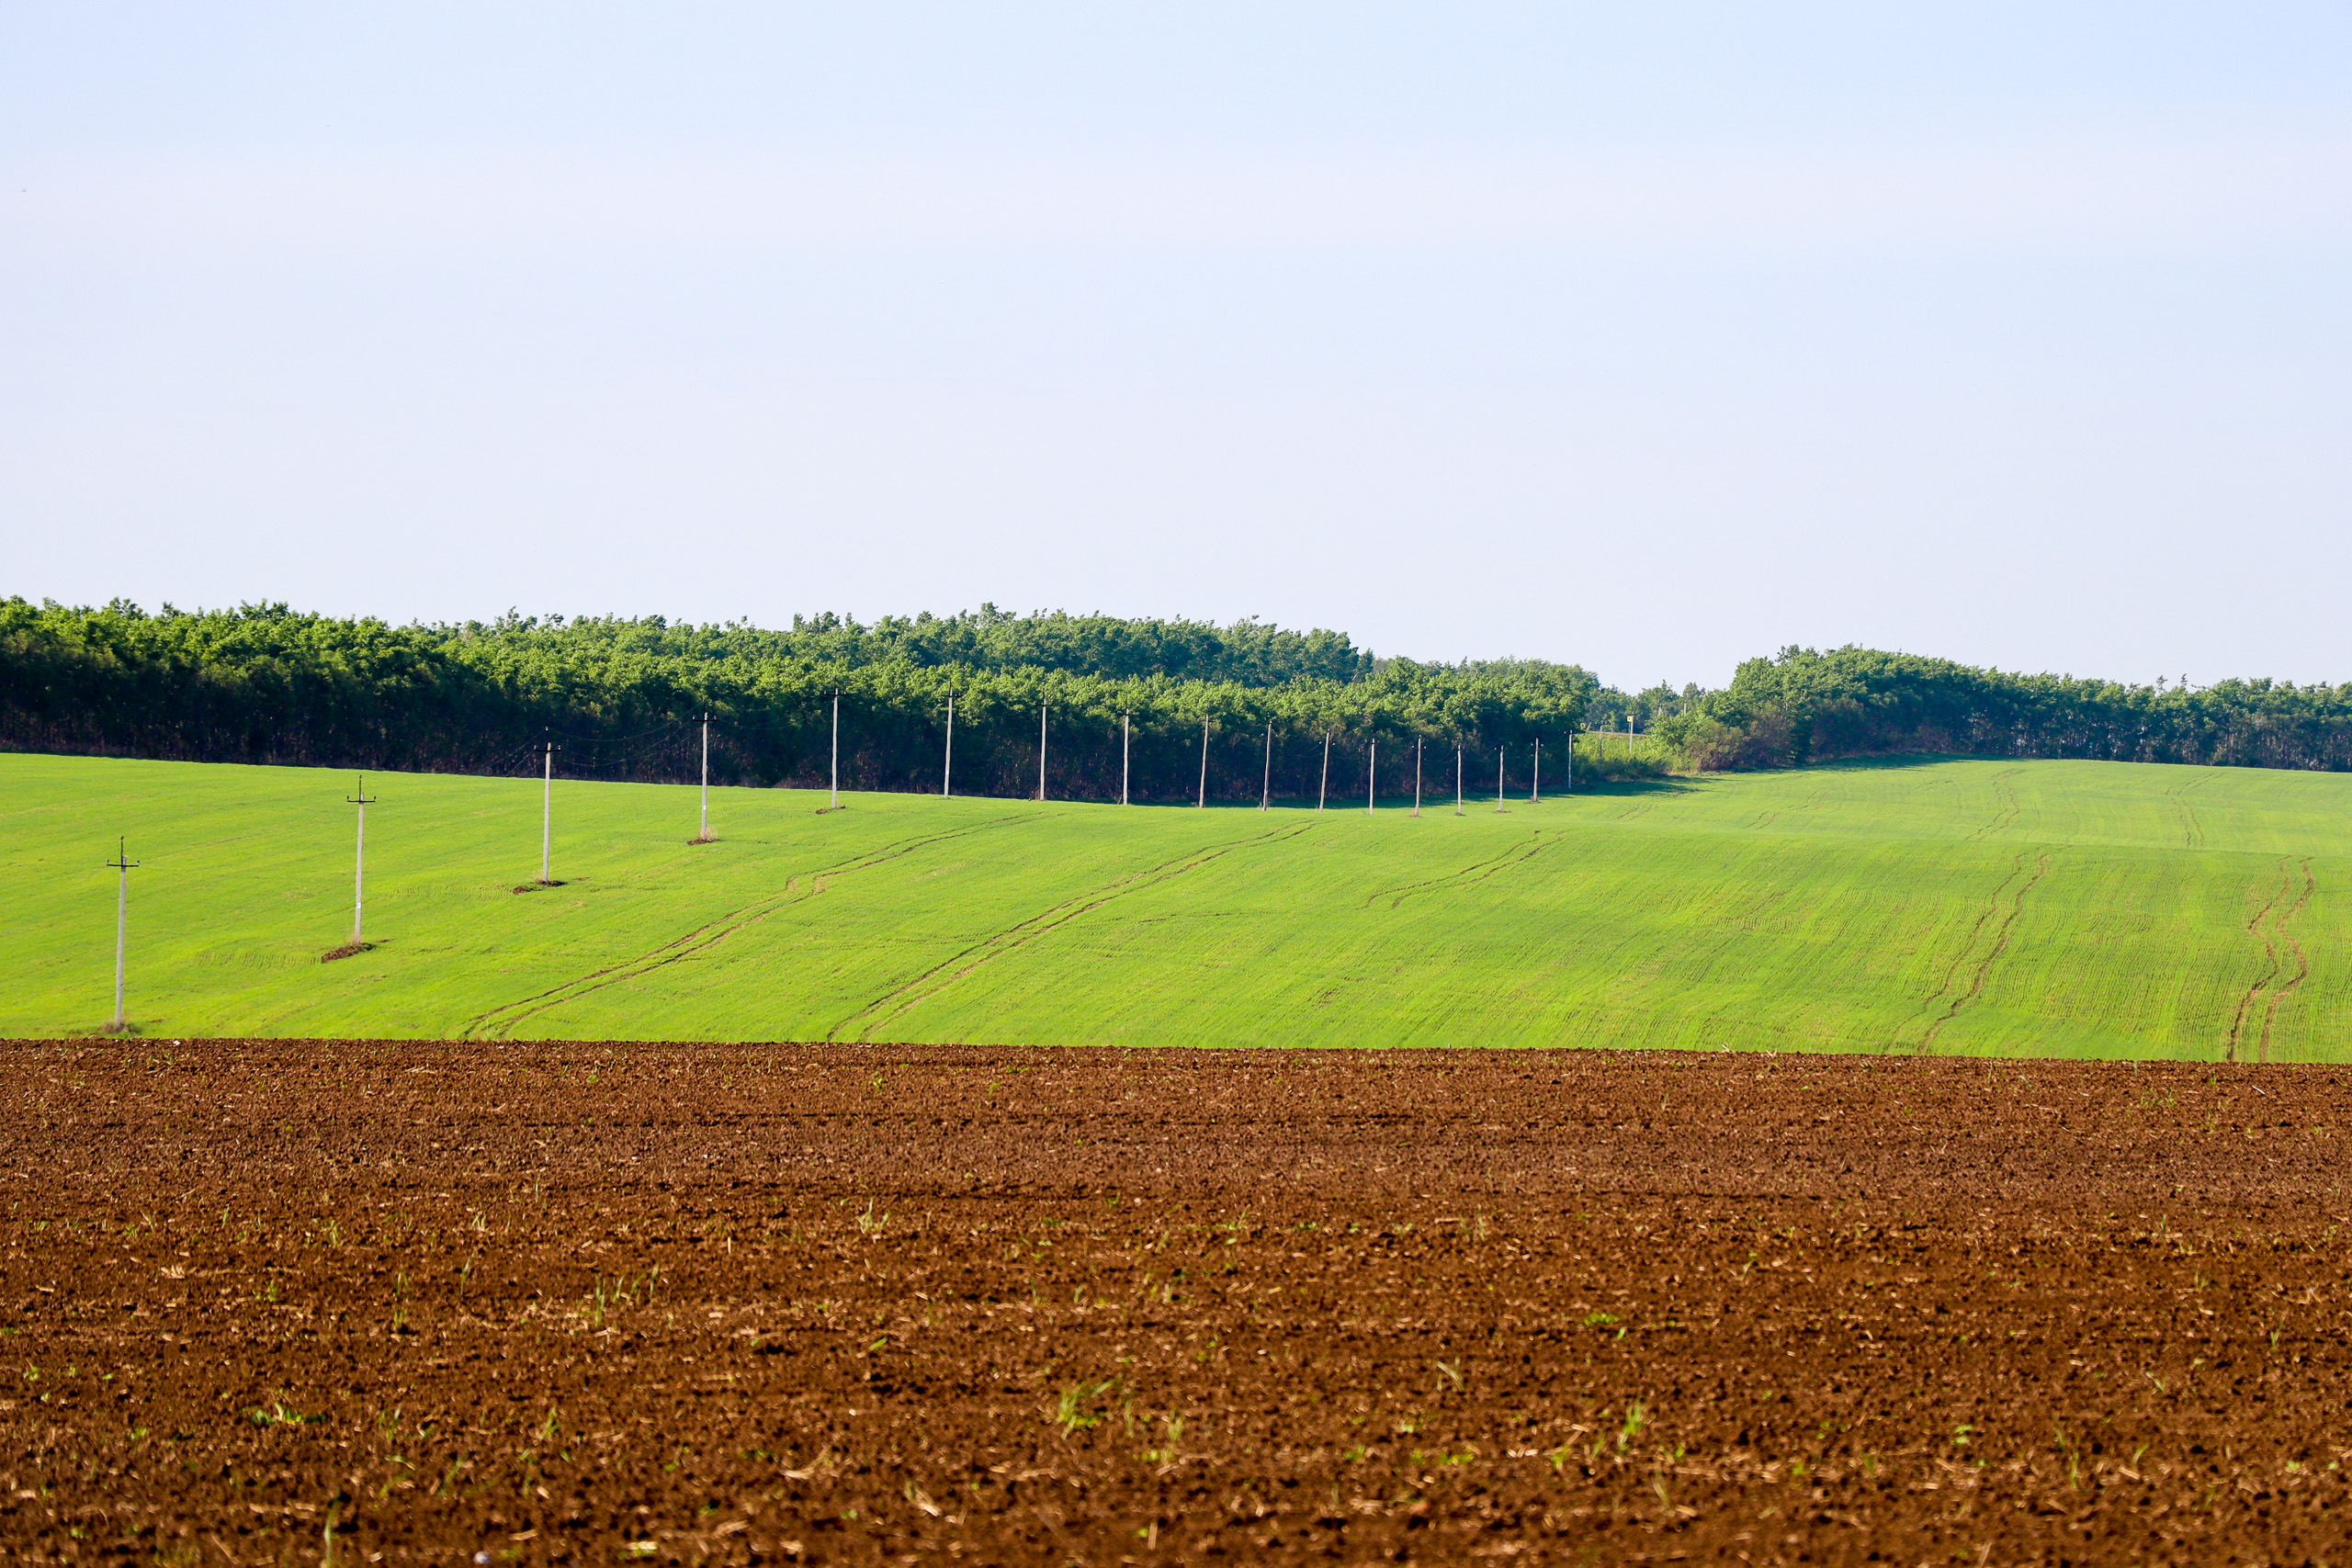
{"points": [[835, 805], [1457, 778], [1418, 742], [122, 863], [1570, 787], [1323, 789], [359, 862], [705, 781], [1498, 776], [947, 768], [1535, 789], [1266, 790], [1041, 751], [547, 814], [1204, 801], [1126, 739], [1372, 780]]}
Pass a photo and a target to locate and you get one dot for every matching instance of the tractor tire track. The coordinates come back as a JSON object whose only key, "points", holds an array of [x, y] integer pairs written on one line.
{"points": [[2192, 832], [1477, 871], [903, 998], [1951, 970], [2002, 931], [2006, 813], [2302, 962], [2269, 927], [2270, 972], [499, 1021]]}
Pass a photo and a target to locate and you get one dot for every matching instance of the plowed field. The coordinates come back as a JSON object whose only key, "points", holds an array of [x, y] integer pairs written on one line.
{"points": [[419, 1303]]}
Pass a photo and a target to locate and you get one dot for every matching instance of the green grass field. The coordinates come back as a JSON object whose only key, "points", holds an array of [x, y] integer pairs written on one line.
{"points": [[2062, 908]]}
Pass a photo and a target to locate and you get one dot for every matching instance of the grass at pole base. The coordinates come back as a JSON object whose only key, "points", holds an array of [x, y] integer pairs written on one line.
{"points": [[348, 950], [534, 887], [706, 839]]}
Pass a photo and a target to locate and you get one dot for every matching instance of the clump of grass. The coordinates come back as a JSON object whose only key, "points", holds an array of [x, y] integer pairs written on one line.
{"points": [[1172, 1441], [1636, 1418], [2065, 1445], [621, 1290], [279, 1415], [1070, 1410]]}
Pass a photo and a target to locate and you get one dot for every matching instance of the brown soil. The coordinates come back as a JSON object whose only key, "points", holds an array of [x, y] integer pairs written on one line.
{"points": [[348, 950], [444, 1303]]}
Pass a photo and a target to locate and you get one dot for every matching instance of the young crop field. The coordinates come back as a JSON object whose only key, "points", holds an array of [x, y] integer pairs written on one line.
{"points": [[1941, 906]]}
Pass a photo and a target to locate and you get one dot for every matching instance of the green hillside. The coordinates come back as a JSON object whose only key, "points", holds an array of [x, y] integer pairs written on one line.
{"points": [[2059, 908]]}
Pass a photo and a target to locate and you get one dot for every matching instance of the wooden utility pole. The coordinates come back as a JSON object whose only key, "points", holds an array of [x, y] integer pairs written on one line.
{"points": [[1372, 780], [1266, 790], [1203, 802], [1418, 742], [547, 814], [1323, 790], [359, 860], [705, 837], [834, 803], [1041, 751], [122, 863], [947, 768]]}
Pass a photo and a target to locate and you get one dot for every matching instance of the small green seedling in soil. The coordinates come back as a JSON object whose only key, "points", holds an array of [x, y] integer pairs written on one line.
{"points": [[1070, 1407], [1636, 1418]]}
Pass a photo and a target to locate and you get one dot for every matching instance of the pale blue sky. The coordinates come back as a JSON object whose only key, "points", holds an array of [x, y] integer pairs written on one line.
{"points": [[1648, 336]]}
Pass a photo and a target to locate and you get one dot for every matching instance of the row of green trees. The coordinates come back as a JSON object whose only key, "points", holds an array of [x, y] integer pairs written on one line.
{"points": [[622, 699], [1805, 706]]}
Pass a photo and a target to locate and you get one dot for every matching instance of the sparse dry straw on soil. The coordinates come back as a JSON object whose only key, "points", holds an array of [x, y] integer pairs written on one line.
{"points": [[408, 1302]]}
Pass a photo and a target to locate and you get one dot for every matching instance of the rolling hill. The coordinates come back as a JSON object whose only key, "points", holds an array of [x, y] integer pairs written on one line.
{"points": [[1946, 906]]}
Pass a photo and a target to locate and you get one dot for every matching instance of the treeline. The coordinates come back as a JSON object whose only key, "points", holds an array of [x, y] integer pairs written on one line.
{"points": [[622, 699], [1804, 705]]}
